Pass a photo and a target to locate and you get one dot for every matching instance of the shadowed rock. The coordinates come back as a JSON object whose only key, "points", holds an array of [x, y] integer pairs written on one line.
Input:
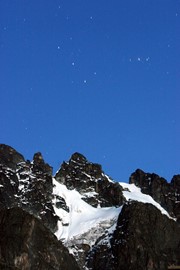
{"points": [[40, 166], [26, 244], [144, 239], [10, 157], [166, 194]]}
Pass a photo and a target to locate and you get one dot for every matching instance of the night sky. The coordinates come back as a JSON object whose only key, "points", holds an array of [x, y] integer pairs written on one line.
{"points": [[92, 76]]}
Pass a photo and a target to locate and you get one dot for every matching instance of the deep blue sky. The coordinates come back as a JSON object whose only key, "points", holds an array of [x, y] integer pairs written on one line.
{"points": [[98, 77]]}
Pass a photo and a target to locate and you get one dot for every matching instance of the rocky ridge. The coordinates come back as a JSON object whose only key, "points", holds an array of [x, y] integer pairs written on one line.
{"points": [[90, 181], [82, 211], [166, 194]]}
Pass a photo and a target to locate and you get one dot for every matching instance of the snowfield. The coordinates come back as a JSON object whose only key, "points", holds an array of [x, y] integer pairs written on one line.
{"points": [[83, 219]]}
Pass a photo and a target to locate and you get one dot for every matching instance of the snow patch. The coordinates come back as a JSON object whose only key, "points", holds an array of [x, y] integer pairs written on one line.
{"points": [[89, 194], [132, 192], [82, 217]]}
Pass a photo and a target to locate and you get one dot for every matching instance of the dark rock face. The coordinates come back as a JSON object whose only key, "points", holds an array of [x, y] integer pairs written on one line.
{"points": [[40, 166], [144, 239], [25, 243], [9, 157], [175, 185], [149, 239], [89, 179], [27, 185], [166, 194]]}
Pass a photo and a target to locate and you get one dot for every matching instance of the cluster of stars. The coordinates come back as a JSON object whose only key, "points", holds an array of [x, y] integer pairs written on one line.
{"points": [[140, 59]]}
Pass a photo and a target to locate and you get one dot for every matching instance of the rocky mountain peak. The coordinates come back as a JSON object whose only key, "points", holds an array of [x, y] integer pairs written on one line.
{"points": [[78, 158], [159, 189], [79, 161], [38, 158], [10, 157], [89, 179], [175, 182], [40, 166]]}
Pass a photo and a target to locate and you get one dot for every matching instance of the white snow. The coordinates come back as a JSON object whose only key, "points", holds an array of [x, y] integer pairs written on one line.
{"points": [[84, 222], [88, 175], [108, 178], [89, 194], [132, 192], [21, 187], [82, 217]]}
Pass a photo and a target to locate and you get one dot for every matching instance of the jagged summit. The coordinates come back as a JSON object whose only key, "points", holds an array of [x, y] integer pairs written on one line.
{"points": [[160, 190], [39, 165], [78, 158], [90, 181], [81, 210], [9, 156]]}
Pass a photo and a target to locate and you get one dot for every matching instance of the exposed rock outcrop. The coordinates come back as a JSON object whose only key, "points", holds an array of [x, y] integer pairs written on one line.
{"points": [[9, 157], [25, 243], [89, 179], [144, 239], [166, 194], [39, 166], [27, 185]]}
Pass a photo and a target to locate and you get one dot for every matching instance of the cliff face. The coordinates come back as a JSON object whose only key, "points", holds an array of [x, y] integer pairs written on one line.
{"points": [[167, 194], [144, 239], [82, 219], [25, 243]]}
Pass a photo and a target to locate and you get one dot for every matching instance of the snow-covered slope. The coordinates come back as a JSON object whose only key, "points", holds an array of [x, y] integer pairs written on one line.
{"points": [[81, 217], [133, 193]]}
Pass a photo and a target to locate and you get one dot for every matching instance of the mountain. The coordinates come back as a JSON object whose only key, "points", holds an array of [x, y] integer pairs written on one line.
{"points": [[82, 219]]}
